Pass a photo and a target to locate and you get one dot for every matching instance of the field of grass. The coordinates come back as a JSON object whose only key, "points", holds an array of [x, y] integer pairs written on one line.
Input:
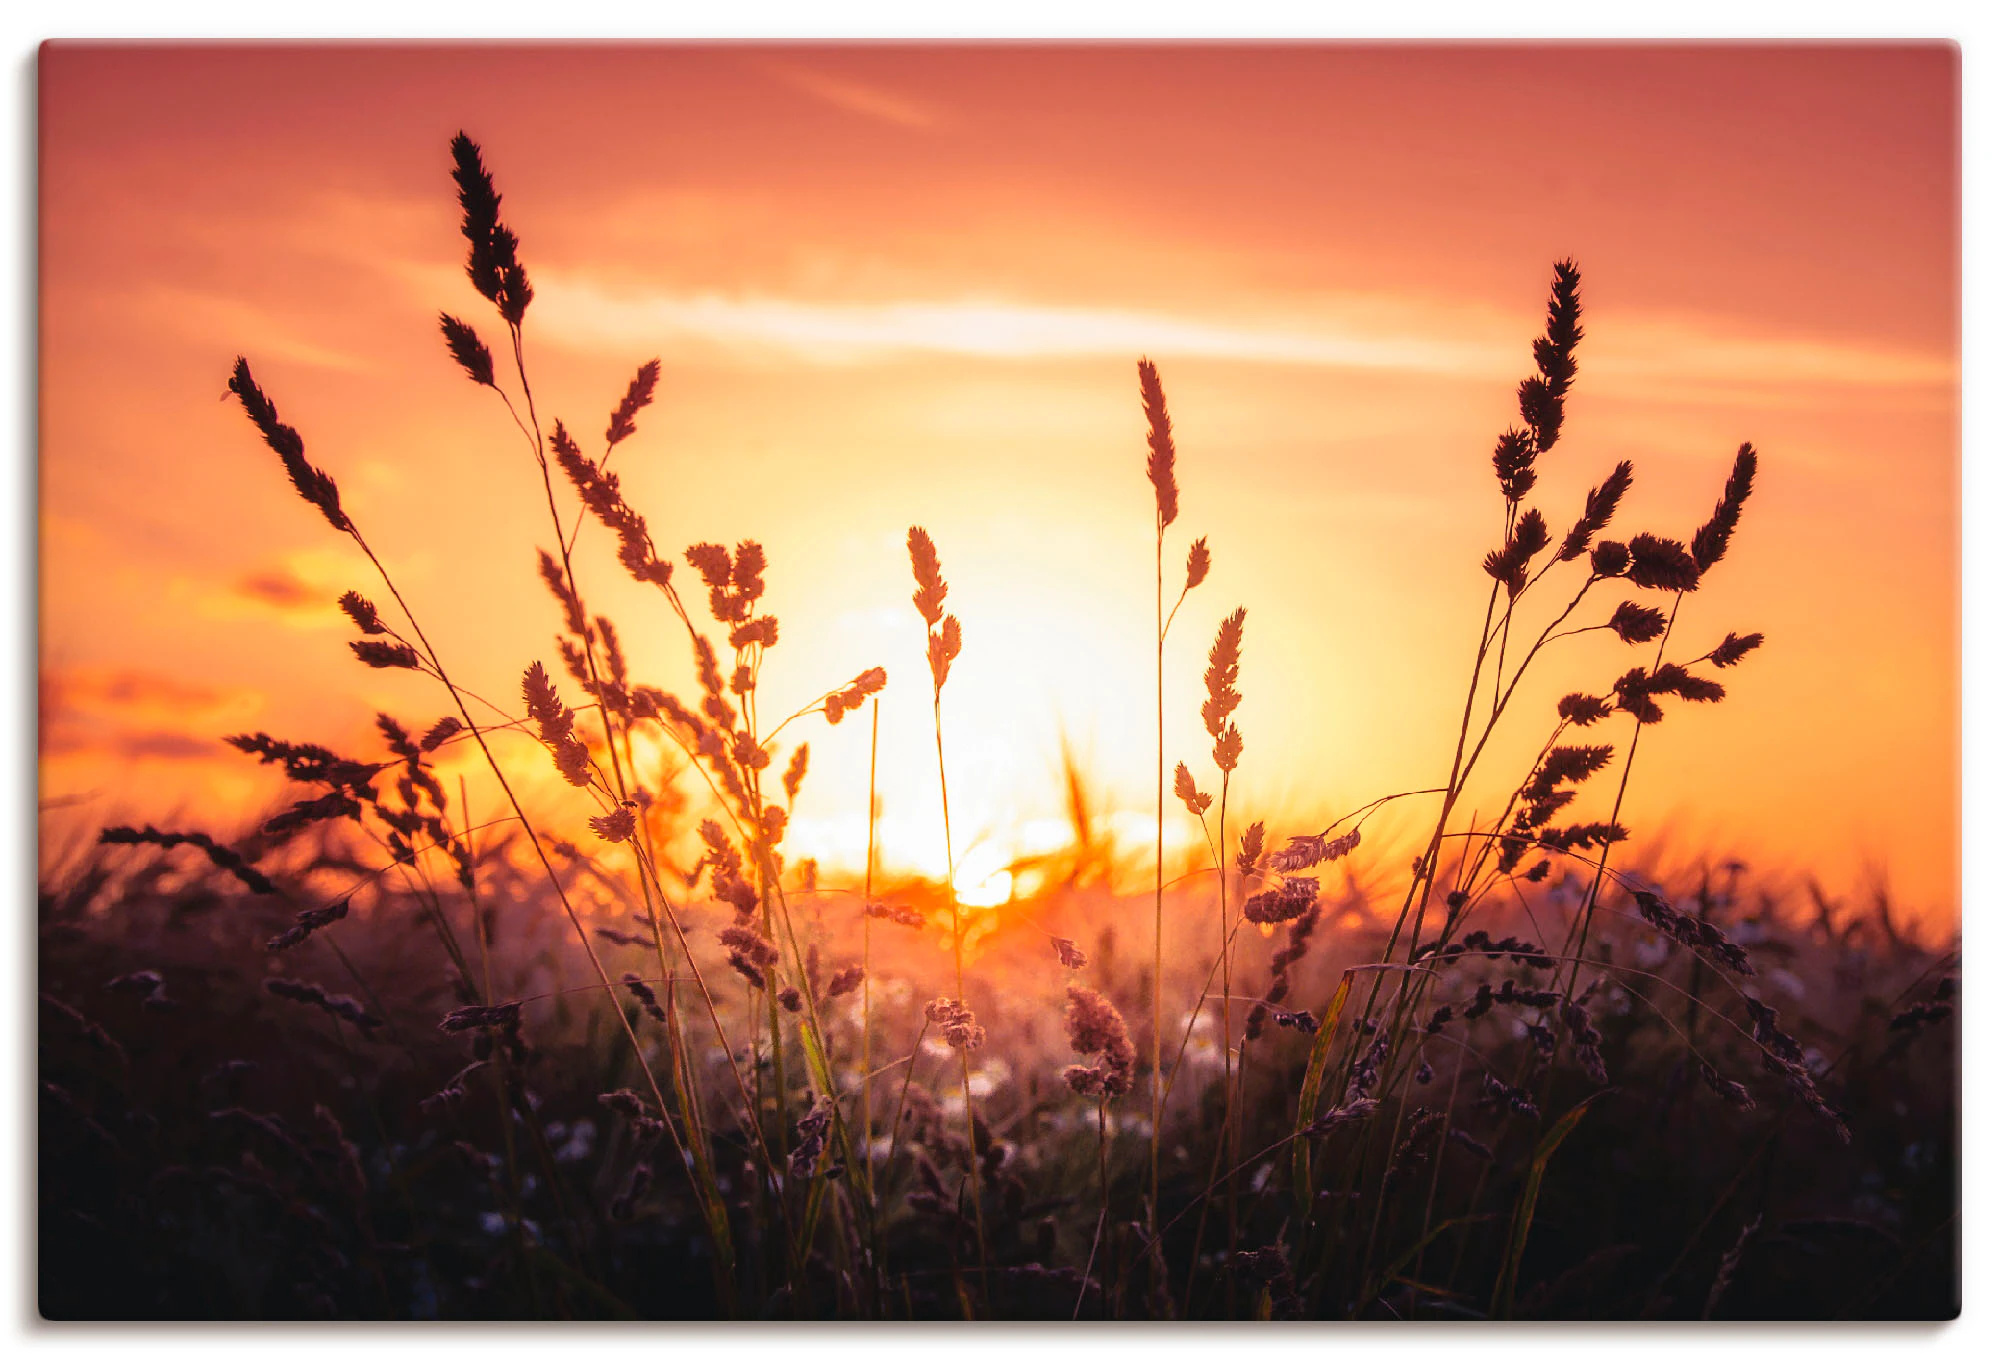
{"points": [[367, 1060]]}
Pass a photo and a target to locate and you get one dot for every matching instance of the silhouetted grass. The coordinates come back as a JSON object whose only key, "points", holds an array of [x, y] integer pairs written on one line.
{"points": [[369, 1060]]}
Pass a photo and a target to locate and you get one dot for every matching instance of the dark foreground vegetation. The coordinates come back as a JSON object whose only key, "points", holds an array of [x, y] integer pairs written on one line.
{"points": [[212, 1148]]}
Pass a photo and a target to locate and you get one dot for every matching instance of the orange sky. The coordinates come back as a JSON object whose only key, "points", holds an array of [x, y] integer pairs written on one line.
{"points": [[901, 285]]}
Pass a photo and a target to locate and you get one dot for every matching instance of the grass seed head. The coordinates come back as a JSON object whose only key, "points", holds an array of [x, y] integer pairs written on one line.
{"points": [[638, 396], [315, 486], [467, 349], [1159, 446]]}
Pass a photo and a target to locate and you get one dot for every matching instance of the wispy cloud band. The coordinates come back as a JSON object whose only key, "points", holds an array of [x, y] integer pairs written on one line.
{"points": [[1636, 349]]}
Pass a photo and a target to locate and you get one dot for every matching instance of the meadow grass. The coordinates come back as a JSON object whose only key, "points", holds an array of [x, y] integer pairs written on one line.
{"points": [[371, 1059]]}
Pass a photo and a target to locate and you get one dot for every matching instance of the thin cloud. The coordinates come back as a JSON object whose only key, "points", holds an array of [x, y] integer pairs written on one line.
{"points": [[1646, 347], [134, 713], [299, 590], [862, 332], [279, 589], [207, 314], [1643, 357], [852, 96], [132, 690]]}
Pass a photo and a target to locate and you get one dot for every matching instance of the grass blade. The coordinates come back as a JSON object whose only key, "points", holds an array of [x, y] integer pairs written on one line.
{"points": [[1524, 1211], [1309, 1097]]}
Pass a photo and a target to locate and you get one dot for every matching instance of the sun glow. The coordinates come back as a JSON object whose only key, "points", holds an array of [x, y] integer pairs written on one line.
{"points": [[983, 878]]}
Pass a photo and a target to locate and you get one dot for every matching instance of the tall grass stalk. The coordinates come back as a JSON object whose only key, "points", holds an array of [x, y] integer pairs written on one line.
{"points": [[1166, 508]]}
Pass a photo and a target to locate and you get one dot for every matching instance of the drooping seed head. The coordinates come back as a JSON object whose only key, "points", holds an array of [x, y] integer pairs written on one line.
{"points": [[313, 485], [467, 349]]}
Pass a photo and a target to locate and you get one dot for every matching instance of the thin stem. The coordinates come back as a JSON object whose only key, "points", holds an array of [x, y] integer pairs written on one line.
{"points": [[867, 962], [1228, 1138], [1582, 930], [1159, 856], [534, 840], [896, 1123], [958, 976]]}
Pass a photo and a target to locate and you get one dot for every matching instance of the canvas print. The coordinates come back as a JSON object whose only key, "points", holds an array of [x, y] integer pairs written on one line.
{"points": [[1029, 682]]}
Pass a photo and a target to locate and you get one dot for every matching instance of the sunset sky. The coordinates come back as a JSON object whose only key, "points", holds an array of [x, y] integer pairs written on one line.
{"points": [[897, 285]]}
